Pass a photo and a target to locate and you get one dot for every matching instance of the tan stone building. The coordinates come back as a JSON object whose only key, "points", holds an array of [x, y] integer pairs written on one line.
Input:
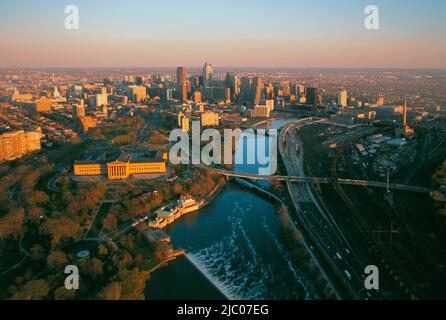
{"points": [[122, 168]]}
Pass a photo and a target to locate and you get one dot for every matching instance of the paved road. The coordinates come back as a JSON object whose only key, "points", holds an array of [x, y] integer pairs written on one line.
{"points": [[318, 222]]}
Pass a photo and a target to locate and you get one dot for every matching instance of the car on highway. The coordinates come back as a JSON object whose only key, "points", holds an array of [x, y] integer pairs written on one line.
{"points": [[347, 273]]}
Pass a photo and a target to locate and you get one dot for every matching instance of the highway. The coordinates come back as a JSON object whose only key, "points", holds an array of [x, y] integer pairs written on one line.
{"points": [[317, 221]]}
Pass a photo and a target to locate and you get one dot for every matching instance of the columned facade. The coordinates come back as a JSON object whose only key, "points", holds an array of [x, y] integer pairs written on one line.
{"points": [[118, 170]]}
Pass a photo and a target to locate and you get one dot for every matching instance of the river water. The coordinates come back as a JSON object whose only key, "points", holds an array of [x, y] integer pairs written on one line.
{"points": [[233, 251]]}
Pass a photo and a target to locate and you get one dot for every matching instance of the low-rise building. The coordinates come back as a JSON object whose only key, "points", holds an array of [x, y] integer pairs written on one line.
{"points": [[88, 123], [259, 112], [210, 118], [123, 167]]}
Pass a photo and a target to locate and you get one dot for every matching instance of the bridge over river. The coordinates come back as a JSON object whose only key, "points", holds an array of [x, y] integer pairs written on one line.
{"points": [[364, 183]]}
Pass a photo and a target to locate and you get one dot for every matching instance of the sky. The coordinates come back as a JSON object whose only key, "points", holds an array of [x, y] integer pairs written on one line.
{"points": [[226, 33]]}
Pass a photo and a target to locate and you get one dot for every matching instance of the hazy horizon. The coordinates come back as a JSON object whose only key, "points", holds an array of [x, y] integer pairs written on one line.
{"points": [[228, 34]]}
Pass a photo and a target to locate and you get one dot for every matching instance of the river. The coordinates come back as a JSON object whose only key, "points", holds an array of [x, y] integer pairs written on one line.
{"points": [[233, 251]]}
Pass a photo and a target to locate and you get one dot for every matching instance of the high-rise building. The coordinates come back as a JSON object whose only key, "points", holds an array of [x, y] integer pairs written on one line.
{"points": [[313, 96], [56, 93], [256, 89], [245, 88], [195, 81], [79, 110], [136, 93], [208, 73], [101, 99], [42, 105], [181, 75], [197, 97], [139, 80], [182, 91], [232, 82], [380, 101], [405, 113], [16, 144], [183, 122], [33, 140], [270, 104], [228, 95], [342, 98], [300, 90], [285, 87]]}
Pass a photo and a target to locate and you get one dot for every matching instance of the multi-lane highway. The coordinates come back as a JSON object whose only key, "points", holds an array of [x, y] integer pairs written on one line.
{"points": [[317, 221]]}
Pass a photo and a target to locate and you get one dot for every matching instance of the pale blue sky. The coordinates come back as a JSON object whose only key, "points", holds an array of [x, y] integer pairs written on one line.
{"points": [[293, 33]]}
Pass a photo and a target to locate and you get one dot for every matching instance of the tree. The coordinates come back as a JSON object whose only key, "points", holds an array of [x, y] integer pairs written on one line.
{"points": [[60, 229], [36, 251], [109, 222], [63, 294], [157, 138], [111, 291], [12, 223], [95, 268], [37, 197], [57, 259], [178, 188], [35, 213], [133, 283], [33, 290], [102, 250]]}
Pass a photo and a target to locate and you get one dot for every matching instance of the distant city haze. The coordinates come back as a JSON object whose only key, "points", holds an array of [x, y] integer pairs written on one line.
{"points": [[230, 33]]}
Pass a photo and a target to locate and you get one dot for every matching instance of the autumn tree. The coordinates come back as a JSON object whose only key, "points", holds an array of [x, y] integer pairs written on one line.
{"points": [[60, 229], [33, 290], [62, 293], [111, 292], [12, 223], [57, 259]]}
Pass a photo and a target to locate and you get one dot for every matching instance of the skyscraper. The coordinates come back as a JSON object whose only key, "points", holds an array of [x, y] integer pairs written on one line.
{"points": [[405, 113], [313, 96], [232, 82], [342, 98], [181, 74], [183, 90], [197, 97], [79, 110], [245, 88], [208, 73], [256, 89]]}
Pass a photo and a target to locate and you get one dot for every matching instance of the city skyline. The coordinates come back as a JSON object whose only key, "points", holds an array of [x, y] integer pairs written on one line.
{"points": [[293, 34]]}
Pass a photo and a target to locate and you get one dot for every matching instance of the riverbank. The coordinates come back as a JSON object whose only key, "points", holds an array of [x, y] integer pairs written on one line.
{"points": [[234, 242], [179, 212], [180, 253]]}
